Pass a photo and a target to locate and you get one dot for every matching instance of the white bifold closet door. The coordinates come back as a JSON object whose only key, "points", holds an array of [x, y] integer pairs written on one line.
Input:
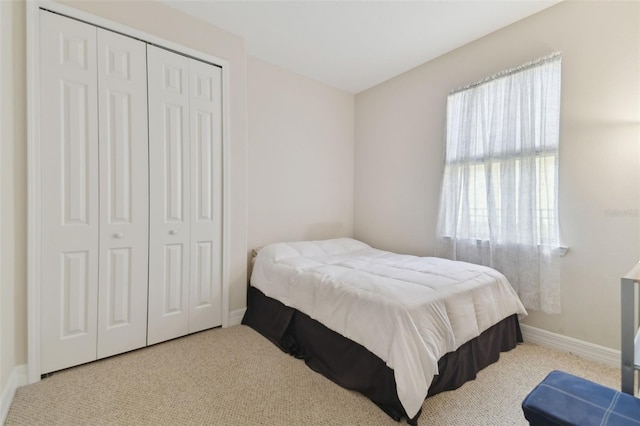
{"points": [[124, 194], [70, 224], [94, 186], [185, 195]]}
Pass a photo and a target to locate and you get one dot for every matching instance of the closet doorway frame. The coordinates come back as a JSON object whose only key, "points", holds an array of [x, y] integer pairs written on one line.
{"points": [[34, 175]]}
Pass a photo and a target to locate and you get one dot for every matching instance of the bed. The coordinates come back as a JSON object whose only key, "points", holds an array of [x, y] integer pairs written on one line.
{"points": [[396, 328]]}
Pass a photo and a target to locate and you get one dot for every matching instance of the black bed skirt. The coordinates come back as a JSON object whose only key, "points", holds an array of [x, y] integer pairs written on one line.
{"points": [[352, 366]]}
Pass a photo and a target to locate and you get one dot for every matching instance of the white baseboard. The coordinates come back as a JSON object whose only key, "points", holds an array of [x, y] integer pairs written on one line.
{"points": [[17, 378], [577, 347], [235, 317]]}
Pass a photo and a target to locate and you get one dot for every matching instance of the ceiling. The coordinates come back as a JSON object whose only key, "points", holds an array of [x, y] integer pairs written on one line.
{"points": [[354, 45]]}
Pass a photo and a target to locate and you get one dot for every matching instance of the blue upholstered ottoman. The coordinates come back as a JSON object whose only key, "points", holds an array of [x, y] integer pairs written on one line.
{"points": [[564, 399]]}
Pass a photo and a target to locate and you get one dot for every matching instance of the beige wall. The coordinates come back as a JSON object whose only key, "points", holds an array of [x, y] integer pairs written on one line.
{"points": [[400, 137], [13, 205], [300, 157], [153, 18]]}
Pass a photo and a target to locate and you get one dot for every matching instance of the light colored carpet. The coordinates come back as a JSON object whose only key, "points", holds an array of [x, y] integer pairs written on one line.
{"points": [[234, 376]]}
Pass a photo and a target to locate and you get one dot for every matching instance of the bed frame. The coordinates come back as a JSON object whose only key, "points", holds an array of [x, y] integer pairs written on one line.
{"points": [[352, 366]]}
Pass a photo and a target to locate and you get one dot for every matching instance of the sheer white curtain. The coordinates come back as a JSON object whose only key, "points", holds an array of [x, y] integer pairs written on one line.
{"points": [[499, 199]]}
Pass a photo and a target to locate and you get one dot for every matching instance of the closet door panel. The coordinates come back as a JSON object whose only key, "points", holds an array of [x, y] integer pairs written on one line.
{"points": [[205, 301], [69, 150], [169, 195], [124, 201]]}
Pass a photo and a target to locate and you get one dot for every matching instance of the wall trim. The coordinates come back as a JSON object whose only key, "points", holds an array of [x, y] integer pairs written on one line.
{"points": [[17, 378], [590, 351], [235, 317]]}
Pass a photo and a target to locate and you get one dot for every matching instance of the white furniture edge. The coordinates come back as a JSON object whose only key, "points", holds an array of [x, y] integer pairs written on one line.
{"points": [[33, 161], [17, 378], [629, 334], [590, 351], [3, 411]]}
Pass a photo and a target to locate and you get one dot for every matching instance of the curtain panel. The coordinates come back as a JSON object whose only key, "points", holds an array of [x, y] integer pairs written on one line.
{"points": [[499, 198]]}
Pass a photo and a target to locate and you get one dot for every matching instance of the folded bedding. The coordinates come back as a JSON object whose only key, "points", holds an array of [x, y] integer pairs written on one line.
{"points": [[407, 310]]}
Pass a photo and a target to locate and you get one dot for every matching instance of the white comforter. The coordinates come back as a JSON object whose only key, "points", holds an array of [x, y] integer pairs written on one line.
{"points": [[407, 310]]}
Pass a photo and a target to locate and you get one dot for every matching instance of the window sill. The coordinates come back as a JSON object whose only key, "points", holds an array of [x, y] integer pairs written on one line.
{"points": [[562, 250]]}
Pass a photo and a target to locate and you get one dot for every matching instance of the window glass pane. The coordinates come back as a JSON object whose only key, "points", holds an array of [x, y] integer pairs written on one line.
{"points": [[476, 195]]}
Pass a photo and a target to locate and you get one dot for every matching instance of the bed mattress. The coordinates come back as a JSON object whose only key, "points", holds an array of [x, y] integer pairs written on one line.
{"points": [[407, 310]]}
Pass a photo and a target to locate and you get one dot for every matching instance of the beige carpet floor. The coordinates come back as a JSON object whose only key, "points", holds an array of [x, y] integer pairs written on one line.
{"points": [[234, 376]]}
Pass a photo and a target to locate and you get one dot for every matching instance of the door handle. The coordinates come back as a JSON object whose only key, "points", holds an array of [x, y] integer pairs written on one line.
{"points": [[118, 235], [173, 231]]}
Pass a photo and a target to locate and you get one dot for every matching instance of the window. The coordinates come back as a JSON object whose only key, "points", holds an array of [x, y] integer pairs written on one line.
{"points": [[476, 194], [499, 200]]}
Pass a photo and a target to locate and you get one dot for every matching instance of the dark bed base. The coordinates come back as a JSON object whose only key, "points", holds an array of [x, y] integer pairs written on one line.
{"points": [[353, 367]]}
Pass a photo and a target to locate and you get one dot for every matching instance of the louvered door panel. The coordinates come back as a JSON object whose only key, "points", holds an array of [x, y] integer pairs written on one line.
{"points": [[169, 195], [69, 150], [124, 202], [205, 307]]}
